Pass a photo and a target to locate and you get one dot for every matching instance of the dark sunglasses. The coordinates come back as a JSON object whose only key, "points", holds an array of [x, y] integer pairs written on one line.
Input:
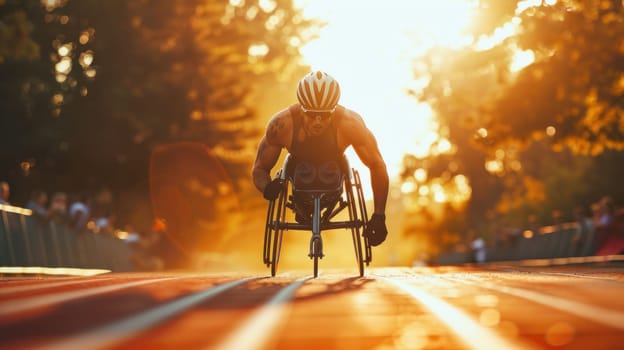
{"points": [[323, 116]]}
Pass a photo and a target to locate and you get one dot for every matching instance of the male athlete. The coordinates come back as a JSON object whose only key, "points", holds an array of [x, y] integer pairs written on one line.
{"points": [[316, 132]]}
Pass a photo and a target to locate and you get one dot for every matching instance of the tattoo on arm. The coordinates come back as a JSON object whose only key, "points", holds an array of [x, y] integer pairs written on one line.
{"points": [[274, 129], [265, 160], [259, 173]]}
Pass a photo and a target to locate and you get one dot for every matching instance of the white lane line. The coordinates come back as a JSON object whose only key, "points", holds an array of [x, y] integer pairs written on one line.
{"points": [[44, 285], [14, 306], [567, 274], [71, 271], [579, 275], [608, 317], [256, 332], [466, 328], [119, 331]]}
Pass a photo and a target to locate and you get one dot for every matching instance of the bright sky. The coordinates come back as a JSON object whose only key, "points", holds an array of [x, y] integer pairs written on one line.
{"points": [[368, 46]]}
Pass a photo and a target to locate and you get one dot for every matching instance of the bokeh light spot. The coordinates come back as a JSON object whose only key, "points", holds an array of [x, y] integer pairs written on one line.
{"points": [[559, 334], [489, 317]]}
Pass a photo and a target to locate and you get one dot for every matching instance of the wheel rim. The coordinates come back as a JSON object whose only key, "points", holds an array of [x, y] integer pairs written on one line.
{"points": [[280, 216], [353, 216]]}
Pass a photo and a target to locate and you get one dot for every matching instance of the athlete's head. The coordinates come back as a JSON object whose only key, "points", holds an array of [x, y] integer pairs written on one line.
{"points": [[318, 92]]}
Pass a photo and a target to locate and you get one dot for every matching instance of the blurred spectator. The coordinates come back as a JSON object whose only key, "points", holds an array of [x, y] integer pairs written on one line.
{"points": [[105, 224], [38, 203], [595, 210], [603, 219], [102, 203], [583, 240], [607, 211], [475, 247], [102, 211], [478, 249], [79, 212], [131, 237], [4, 192], [609, 229], [58, 207]]}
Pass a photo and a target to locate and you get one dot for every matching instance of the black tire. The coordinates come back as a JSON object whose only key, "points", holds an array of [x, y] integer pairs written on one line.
{"points": [[358, 249], [315, 253], [279, 218], [268, 234], [315, 266], [357, 245], [276, 252], [363, 214], [353, 216]]}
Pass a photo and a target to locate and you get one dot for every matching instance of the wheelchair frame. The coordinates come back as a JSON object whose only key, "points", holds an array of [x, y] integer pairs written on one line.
{"points": [[351, 197]]}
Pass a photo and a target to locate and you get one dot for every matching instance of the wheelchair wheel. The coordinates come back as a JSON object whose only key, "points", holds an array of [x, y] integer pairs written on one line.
{"points": [[275, 232], [364, 215], [357, 211], [316, 253], [268, 233]]}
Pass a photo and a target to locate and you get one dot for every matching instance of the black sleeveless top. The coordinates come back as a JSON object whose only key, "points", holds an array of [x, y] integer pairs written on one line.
{"points": [[314, 149], [316, 161]]}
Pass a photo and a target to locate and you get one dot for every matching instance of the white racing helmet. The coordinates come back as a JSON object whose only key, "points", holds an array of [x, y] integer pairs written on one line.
{"points": [[318, 92]]}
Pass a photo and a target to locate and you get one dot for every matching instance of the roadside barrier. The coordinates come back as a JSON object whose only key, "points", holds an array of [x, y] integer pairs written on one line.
{"points": [[25, 241], [549, 242]]}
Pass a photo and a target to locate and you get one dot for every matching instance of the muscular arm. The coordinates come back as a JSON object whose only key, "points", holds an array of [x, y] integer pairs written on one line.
{"points": [[265, 160], [269, 150], [365, 145]]}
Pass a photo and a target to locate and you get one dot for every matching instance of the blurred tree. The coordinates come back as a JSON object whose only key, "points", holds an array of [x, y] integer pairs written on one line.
{"points": [[37, 79], [15, 32], [549, 73], [114, 79]]}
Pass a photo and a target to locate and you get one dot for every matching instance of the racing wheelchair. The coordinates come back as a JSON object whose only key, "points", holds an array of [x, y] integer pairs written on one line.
{"points": [[315, 210]]}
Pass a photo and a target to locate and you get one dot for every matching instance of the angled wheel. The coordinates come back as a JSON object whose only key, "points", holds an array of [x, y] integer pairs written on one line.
{"points": [[278, 217], [355, 215], [268, 233], [361, 206]]}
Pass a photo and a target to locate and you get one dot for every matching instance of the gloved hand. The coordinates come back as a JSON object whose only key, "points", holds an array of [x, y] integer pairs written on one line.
{"points": [[376, 230], [272, 189]]}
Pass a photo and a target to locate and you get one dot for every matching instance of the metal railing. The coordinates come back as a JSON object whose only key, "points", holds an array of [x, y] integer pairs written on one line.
{"points": [[26, 241], [550, 242]]}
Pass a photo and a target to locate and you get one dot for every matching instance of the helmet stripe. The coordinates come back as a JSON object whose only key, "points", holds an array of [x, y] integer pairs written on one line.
{"points": [[302, 93], [320, 95], [331, 95], [309, 94]]}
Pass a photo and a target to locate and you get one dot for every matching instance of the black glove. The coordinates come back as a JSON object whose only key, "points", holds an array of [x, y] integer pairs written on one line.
{"points": [[272, 189], [376, 230]]}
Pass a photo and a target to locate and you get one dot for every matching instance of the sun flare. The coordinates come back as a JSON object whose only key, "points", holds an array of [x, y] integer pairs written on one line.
{"points": [[369, 46]]}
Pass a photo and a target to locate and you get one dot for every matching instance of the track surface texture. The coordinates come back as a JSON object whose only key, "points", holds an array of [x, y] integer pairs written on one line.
{"points": [[446, 307]]}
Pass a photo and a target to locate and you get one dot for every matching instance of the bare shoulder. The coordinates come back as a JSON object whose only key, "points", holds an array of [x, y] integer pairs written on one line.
{"points": [[352, 126], [279, 128]]}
